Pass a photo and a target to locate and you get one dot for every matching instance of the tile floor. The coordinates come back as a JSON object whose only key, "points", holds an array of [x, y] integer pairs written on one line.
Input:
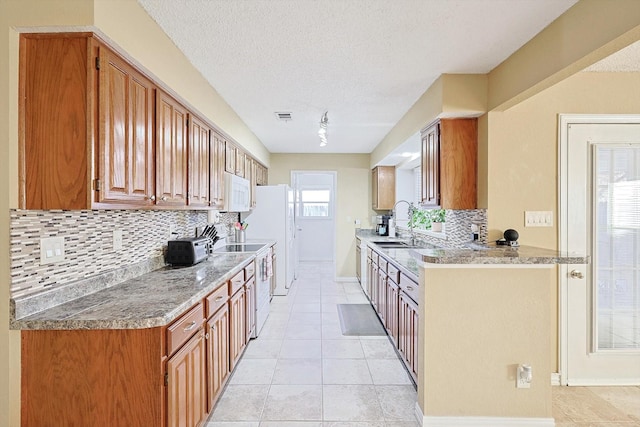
{"points": [[596, 406], [302, 371]]}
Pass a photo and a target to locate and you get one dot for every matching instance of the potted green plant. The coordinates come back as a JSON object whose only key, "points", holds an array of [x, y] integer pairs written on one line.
{"points": [[420, 219], [437, 219]]}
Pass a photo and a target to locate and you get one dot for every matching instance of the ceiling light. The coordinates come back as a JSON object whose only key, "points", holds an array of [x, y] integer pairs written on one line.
{"points": [[322, 132]]}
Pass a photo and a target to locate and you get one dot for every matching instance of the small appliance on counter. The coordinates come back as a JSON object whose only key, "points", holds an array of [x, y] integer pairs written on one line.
{"points": [[382, 225], [187, 251], [510, 238]]}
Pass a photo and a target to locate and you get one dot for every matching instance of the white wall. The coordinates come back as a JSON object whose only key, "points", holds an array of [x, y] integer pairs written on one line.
{"points": [[405, 190]]}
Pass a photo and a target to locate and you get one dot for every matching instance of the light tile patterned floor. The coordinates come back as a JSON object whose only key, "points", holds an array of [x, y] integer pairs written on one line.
{"points": [[596, 406], [302, 371]]}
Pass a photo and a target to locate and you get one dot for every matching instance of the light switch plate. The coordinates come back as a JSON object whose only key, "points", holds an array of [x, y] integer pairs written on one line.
{"points": [[538, 219], [51, 250]]}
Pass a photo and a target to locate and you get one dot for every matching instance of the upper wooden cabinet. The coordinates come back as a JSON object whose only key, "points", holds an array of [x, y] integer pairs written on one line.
{"points": [[216, 170], [449, 164], [126, 133], [199, 152], [383, 186], [261, 175], [57, 118], [96, 133], [171, 151]]}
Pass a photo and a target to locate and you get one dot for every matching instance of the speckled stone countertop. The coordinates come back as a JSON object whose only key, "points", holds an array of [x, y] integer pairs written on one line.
{"points": [[411, 258], [150, 300]]}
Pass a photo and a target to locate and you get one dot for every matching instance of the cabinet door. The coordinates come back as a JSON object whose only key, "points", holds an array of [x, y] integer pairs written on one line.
{"points": [[358, 262], [240, 162], [408, 333], [230, 157], [391, 318], [430, 187], [217, 169], [186, 388], [238, 319], [171, 151], [383, 187], [198, 162], [381, 294], [253, 179], [125, 142], [250, 290], [218, 353]]}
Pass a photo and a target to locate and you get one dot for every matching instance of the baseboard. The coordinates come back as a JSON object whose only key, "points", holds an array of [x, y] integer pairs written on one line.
{"points": [[555, 378], [427, 421]]}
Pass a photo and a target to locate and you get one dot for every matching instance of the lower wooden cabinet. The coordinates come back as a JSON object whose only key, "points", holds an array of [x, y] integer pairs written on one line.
{"points": [[408, 332], [237, 329], [217, 354], [250, 290], [393, 296], [186, 384]]}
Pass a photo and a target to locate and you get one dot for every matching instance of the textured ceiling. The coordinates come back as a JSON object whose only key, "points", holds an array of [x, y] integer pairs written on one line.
{"points": [[364, 61], [625, 60]]}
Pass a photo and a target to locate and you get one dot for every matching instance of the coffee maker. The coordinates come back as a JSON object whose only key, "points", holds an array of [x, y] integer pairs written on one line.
{"points": [[382, 225]]}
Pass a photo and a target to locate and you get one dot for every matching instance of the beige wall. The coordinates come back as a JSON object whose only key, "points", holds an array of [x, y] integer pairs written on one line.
{"points": [[353, 195], [528, 133], [476, 326]]}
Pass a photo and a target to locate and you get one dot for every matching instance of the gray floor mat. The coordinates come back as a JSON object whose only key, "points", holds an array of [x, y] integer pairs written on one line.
{"points": [[359, 320]]}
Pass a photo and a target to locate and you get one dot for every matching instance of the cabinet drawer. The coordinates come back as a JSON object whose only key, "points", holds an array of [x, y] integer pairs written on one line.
{"points": [[382, 264], [216, 299], [374, 258], [249, 270], [236, 282], [393, 273], [409, 287], [183, 328]]}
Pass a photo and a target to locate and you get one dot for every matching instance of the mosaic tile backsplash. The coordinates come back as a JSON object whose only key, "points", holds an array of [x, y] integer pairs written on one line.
{"points": [[88, 242], [457, 231]]}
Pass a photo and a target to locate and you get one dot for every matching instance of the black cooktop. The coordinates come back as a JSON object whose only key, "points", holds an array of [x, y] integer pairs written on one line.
{"points": [[247, 247]]}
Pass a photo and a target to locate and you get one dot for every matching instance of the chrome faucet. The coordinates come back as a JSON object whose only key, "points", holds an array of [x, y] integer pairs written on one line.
{"points": [[411, 210]]}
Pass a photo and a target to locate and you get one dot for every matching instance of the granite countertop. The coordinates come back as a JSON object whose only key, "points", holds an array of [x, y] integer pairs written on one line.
{"points": [[150, 300], [472, 254]]}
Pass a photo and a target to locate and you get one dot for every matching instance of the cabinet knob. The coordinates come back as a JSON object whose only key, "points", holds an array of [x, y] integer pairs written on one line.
{"points": [[152, 197], [163, 198]]}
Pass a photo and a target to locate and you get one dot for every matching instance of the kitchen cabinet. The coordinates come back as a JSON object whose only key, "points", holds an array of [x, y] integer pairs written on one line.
{"points": [[230, 157], [199, 152], [218, 369], [186, 384], [383, 187], [238, 322], [262, 175], [171, 151], [216, 170], [449, 164], [358, 260], [252, 168], [86, 126], [408, 324], [126, 137], [250, 291], [394, 297], [241, 158]]}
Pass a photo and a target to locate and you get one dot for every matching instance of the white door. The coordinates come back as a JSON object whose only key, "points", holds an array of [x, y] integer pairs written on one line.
{"points": [[315, 214], [600, 212]]}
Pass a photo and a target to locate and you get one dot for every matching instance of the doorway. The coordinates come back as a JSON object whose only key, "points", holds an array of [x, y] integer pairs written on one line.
{"points": [[315, 214], [600, 217]]}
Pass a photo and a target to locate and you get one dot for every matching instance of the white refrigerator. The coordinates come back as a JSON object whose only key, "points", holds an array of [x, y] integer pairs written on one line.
{"points": [[274, 218]]}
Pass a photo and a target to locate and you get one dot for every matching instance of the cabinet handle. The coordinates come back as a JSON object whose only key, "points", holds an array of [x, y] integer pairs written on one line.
{"points": [[220, 298], [190, 327], [409, 288]]}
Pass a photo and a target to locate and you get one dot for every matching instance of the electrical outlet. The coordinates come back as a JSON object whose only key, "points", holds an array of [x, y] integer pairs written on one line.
{"points": [[524, 376], [117, 239], [51, 250], [538, 219]]}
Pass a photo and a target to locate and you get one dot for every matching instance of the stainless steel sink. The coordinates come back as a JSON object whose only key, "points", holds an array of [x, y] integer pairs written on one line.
{"points": [[395, 244]]}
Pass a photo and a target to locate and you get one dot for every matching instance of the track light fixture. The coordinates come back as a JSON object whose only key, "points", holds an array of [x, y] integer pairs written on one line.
{"points": [[322, 132]]}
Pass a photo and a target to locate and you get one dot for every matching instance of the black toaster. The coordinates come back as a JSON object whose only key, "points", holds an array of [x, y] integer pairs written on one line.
{"points": [[187, 251]]}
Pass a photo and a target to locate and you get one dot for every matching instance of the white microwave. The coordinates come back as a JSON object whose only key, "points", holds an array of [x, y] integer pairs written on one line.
{"points": [[237, 194]]}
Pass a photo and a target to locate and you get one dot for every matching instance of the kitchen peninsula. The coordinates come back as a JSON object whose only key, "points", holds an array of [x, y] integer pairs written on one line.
{"points": [[482, 312]]}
